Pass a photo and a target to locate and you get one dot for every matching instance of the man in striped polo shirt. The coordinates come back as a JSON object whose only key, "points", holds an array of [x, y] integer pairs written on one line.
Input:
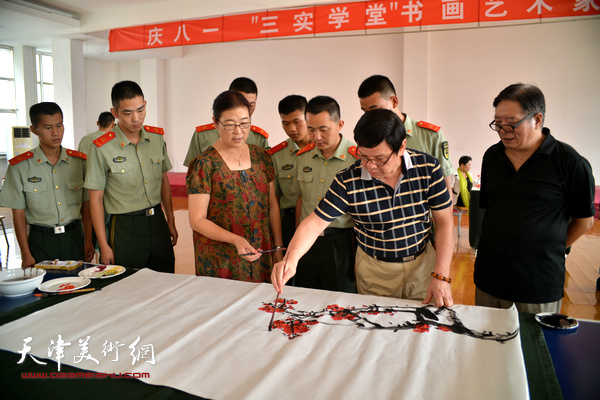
{"points": [[388, 193]]}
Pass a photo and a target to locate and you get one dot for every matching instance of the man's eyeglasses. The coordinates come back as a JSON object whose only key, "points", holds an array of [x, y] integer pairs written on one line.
{"points": [[374, 161], [231, 127], [508, 128]]}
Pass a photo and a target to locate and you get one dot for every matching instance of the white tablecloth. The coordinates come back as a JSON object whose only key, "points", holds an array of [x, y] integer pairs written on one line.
{"points": [[208, 337]]}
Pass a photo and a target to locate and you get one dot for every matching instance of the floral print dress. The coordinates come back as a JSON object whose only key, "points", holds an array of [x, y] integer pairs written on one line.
{"points": [[239, 203]]}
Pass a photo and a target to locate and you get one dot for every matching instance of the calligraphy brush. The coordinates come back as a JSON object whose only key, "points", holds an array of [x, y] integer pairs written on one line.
{"points": [[61, 293], [277, 298], [264, 251]]}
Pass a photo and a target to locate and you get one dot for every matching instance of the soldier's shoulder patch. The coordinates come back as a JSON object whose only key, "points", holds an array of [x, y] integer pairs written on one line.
{"points": [[78, 154], [154, 129], [446, 150], [20, 157], [280, 146], [260, 131], [429, 126], [353, 150], [206, 127], [306, 148], [102, 140]]}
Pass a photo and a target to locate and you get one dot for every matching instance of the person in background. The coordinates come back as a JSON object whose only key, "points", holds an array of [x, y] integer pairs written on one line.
{"points": [[206, 135], [106, 121], [127, 175], [377, 91], [538, 196], [44, 189], [329, 264], [463, 184], [285, 160], [388, 194], [232, 205]]}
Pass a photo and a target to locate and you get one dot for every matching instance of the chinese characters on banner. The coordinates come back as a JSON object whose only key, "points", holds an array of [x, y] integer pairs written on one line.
{"points": [[343, 17]]}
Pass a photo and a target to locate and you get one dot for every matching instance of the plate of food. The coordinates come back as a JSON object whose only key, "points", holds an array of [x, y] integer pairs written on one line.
{"points": [[60, 285], [556, 321], [102, 271], [58, 265]]}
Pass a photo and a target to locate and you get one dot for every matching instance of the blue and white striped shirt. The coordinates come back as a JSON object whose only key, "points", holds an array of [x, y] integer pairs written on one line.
{"points": [[389, 222]]}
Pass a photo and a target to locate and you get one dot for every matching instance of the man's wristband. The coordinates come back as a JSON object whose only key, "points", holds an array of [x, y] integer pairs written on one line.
{"points": [[441, 277]]}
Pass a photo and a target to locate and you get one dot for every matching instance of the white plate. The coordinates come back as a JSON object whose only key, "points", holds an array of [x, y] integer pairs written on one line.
{"points": [[102, 271], [556, 321], [64, 284]]}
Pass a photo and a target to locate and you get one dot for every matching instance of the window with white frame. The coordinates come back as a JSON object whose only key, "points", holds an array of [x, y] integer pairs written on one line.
{"points": [[8, 101], [45, 76]]}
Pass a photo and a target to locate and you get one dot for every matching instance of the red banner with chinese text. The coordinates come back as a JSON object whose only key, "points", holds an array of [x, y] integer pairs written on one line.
{"points": [[340, 17], [343, 17], [299, 21], [443, 12]]}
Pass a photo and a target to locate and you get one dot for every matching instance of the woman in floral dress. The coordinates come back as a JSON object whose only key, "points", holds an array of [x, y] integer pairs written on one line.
{"points": [[231, 199]]}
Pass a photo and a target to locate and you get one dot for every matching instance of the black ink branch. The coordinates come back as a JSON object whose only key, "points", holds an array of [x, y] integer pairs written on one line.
{"points": [[418, 319]]}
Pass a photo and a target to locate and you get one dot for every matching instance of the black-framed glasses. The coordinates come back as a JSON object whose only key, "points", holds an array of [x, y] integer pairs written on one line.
{"points": [[374, 161], [231, 127], [508, 128]]}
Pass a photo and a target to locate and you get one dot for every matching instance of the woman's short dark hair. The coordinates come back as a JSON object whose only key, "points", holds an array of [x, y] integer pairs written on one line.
{"points": [[377, 126], [530, 97], [464, 160], [229, 100]]}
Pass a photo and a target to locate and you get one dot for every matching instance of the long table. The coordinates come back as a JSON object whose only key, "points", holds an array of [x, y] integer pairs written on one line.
{"points": [[576, 359], [540, 374]]}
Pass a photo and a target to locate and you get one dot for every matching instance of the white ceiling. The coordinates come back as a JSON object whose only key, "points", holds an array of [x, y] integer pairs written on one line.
{"points": [[37, 23]]}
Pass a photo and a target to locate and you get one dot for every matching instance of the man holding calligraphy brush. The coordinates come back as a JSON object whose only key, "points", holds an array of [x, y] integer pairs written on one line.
{"points": [[388, 193]]}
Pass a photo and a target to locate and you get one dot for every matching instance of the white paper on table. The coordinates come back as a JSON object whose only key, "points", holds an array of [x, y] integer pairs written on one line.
{"points": [[210, 339]]}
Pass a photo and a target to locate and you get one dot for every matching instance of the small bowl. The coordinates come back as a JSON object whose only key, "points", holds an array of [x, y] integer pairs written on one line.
{"points": [[20, 282]]}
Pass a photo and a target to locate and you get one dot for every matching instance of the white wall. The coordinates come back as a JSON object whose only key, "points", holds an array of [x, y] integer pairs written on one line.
{"points": [[449, 78], [309, 67], [69, 87], [469, 68], [100, 79]]}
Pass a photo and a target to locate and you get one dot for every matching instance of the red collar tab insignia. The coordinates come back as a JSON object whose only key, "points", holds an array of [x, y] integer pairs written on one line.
{"points": [[429, 126], [306, 148], [206, 127], [20, 157], [260, 131], [102, 140], [154, 129], [77, 154], [280, 146], [353, 150]]}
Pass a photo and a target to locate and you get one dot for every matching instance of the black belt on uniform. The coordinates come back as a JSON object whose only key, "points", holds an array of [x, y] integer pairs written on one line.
{"points": [[401, 259], [291, 210], [148, 212], [333, 231], [54, 229]]}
